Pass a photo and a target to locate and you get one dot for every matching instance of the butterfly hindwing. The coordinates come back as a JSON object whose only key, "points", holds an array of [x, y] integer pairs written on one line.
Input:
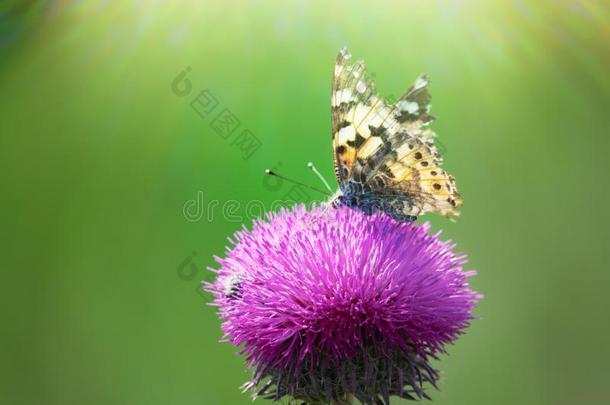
{"points": [[414, 172], [413, 108]]}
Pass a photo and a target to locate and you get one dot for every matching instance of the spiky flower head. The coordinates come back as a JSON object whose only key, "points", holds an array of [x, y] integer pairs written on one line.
{"points": [[333, 304]]}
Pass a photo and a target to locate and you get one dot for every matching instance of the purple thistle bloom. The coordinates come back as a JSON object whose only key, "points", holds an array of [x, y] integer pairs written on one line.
{"points": [[332, 304]]}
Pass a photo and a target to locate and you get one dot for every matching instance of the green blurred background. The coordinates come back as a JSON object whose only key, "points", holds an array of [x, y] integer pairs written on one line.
{"points": [[99, 158]]}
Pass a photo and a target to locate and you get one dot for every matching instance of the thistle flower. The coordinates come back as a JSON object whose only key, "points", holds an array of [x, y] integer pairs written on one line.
{"points": [[330, 305]]}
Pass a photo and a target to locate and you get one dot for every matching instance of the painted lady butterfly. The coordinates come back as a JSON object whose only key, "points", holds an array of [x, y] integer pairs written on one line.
{"points": [[385, 157]]}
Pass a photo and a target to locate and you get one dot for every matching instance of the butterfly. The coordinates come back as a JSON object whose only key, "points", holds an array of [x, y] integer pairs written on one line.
{"points": [[385, 158]]}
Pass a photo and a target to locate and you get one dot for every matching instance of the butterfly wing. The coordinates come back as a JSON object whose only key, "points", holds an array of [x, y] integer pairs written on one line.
{"points": [[413, 173], [385, 150], [350, 91]]}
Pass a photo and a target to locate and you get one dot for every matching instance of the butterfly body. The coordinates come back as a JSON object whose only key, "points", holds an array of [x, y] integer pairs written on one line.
{"points": [[385, 157], [360, 197]]}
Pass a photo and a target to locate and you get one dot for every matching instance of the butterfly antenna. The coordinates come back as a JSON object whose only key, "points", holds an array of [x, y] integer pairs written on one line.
{"points": [[313, 169], [272, 173]]}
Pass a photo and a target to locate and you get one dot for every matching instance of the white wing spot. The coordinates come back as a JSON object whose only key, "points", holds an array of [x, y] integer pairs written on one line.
{"points": [[345, 53], [420, 83], [361, 87], [409, 106], [342, 96], [347, 133]]}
